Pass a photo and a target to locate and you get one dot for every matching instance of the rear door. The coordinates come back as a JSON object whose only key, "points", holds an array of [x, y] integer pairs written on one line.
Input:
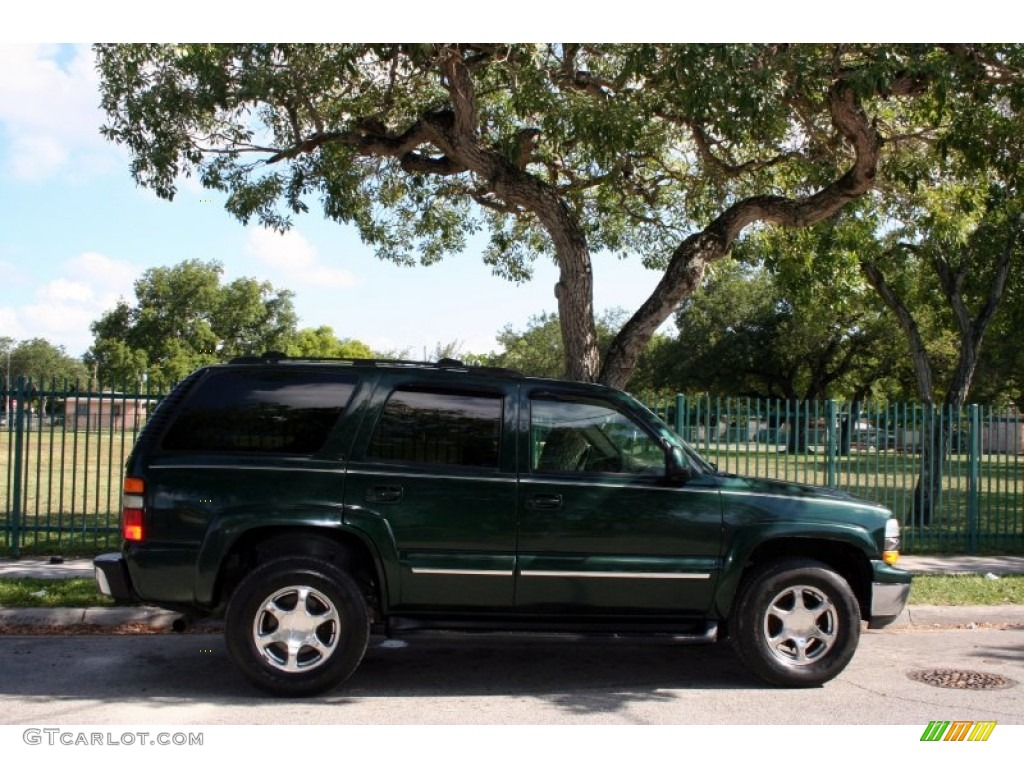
{"points": [[436, 464]]}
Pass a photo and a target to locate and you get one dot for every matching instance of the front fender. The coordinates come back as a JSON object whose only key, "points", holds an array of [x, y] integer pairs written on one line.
{"points": [[791, 538]]}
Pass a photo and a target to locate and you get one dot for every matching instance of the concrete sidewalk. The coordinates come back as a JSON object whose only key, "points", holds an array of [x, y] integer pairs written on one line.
{"points": [[920, 616]]}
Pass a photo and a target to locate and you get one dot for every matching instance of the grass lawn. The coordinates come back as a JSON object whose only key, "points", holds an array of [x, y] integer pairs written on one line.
{"points": [[70, 490], [51, 593], [967, 590]]}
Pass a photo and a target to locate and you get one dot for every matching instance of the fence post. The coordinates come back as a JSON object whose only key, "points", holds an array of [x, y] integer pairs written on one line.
{"points": [[830, 431], [973, 479], [17, 490], [681, 422]]}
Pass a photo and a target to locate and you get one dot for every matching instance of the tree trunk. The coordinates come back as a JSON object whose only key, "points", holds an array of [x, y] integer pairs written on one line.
{"points": [[934, 449], [848, 427], [516, 191], [935, 441], [796, 434], [575, 294]]}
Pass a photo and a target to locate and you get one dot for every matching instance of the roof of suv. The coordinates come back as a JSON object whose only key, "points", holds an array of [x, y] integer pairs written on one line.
{"points": [[278, 358], [440, 366]]}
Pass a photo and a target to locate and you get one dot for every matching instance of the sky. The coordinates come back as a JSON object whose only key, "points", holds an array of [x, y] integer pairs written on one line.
{"points": [[75, 231]]}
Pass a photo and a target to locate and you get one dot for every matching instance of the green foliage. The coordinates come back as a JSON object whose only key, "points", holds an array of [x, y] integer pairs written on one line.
{"points": [[943, 254], [747, 333], [538, 349], [184, 318], [39, 360], [568, 149], [642, 141], [321, 342]]}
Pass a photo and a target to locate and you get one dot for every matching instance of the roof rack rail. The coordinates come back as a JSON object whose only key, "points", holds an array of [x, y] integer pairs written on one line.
{"points": [[446, 363]]}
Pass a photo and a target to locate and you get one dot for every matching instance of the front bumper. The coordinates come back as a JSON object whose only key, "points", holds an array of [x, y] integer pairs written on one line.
{"points": [[890, 591], [112, 577]]}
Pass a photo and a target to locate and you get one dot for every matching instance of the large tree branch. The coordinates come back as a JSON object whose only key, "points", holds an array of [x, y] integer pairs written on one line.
{"points": [[972, 330], [691, 257], [457, 136], [952, 282], [995, 293], [703, 143], [459, 80], [373, 140], [918, 352]]}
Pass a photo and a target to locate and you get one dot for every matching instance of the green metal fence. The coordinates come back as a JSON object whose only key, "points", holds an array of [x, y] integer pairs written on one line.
{"points": [[63, 449]]}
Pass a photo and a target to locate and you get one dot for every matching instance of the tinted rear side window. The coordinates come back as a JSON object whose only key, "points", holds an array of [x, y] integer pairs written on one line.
{"points": [[439, 428], [264, 411]]}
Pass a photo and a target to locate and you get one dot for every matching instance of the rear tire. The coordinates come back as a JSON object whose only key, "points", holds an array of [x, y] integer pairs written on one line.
{"points": [[297, 626], [797, 623]]}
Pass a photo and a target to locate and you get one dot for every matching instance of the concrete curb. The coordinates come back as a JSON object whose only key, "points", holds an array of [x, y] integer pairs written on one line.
{"points": [[926, 616], [55, 618]]}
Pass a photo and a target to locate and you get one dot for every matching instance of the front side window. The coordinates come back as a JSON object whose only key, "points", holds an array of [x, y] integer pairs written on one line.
{"points": [[262, 411], [439, 427], [590, 436]]}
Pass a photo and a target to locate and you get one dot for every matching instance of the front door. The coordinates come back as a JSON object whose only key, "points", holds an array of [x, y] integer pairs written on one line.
{"points": [[600, 530]]}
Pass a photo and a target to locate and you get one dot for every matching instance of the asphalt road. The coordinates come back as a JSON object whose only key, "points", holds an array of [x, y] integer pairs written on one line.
{"points": [[189, 680]]}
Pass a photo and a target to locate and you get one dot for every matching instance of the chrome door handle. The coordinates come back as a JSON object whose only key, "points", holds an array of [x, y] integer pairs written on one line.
{"points": [[545, 501], [385, 494]]}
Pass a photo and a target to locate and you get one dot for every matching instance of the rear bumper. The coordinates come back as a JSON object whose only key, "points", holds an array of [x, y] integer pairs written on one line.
{"points": [[889, 594], [112, 577]]}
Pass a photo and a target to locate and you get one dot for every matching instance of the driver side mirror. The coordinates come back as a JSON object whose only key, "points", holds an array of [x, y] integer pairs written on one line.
{"points": [[677, 470]]}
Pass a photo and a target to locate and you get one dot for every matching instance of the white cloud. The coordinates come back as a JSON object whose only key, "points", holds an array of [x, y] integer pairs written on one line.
{"points": [[295, 259], [64, 308], [61, 321], [36, 157], [10, 325], [49, 111], [66, 290], [110, 279]]}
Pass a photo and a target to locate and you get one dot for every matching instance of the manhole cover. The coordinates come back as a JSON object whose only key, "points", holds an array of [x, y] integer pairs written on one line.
{"points": [[962, 679]]}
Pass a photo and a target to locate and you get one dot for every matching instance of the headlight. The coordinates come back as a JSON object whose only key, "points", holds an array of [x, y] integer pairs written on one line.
{"points": [[891, 550]]}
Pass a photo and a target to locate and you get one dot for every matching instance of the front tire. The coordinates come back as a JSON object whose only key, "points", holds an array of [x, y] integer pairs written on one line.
{"points": [[297, 626], [797, 623]]}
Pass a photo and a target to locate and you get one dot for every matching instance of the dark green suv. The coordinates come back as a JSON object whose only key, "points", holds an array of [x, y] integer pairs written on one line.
{"points": [[312, 502]]}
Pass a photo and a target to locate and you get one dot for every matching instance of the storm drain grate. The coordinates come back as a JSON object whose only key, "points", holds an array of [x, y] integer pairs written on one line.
{"points": [[961, 679]]}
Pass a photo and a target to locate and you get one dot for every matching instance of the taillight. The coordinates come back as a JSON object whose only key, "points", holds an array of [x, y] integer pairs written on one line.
{"points": [[133, 506]]}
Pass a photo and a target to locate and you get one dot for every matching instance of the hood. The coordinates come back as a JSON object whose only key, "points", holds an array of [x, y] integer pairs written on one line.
{"points": [[788, 489]]}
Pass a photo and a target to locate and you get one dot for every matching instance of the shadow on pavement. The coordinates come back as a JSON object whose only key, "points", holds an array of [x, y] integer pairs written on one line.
{"points": [[580, 677]]}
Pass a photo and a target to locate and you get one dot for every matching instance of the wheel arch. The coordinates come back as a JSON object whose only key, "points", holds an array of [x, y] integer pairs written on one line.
{"points": [[339, 547], [846, 559]]}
